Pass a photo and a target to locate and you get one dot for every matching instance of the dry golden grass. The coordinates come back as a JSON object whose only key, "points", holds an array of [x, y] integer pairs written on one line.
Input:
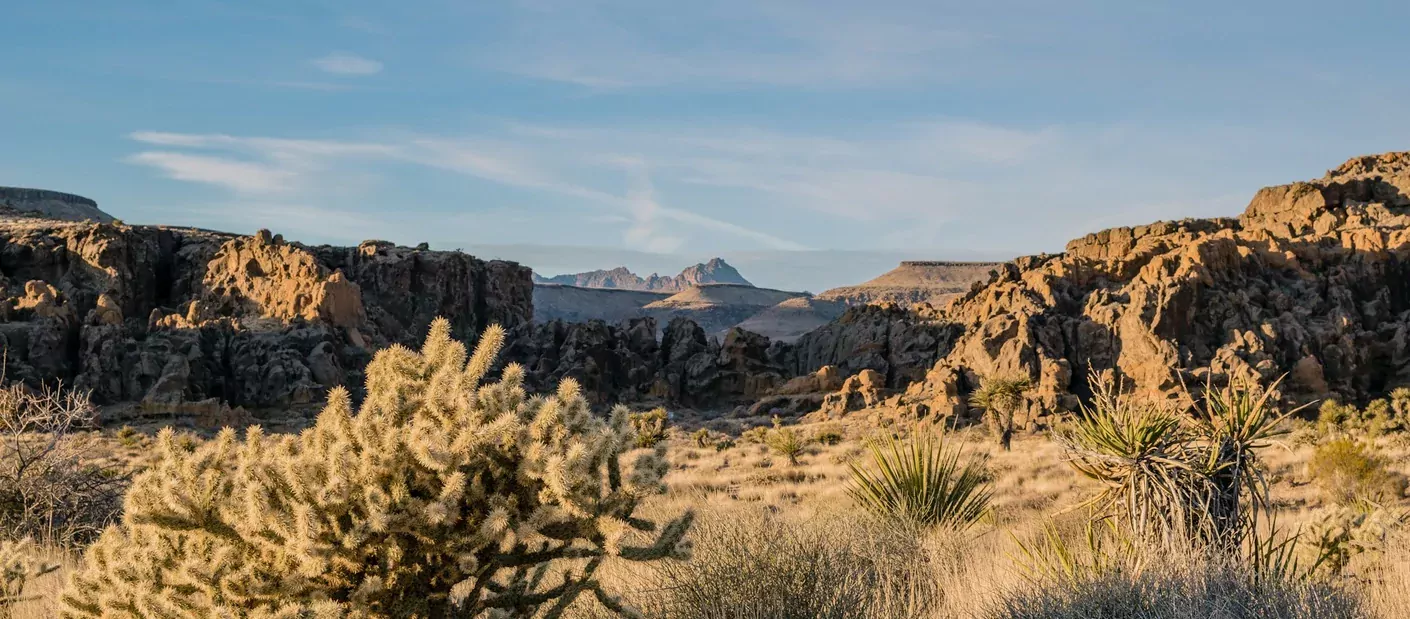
{"points": [[749, 493]]}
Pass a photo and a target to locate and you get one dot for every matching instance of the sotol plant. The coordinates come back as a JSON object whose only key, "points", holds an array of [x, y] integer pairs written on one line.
{"points": [[440, 497], [922, 481]]}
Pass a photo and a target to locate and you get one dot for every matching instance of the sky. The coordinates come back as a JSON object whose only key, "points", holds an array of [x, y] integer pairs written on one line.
{"points": [[804, 136]]}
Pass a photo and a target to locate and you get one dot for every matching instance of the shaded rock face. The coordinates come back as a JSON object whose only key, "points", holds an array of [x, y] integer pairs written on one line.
{"points": [[1313, 280], [166, 316]]}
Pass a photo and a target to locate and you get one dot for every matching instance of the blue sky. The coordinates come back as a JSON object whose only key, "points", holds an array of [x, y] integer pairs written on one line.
{"points": [[675, 129]]}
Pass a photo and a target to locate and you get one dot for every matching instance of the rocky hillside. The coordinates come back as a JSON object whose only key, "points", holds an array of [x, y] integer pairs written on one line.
{"points": [[51, 205], [716, 271], [913, 282], [1310, 281], [171, 318]]}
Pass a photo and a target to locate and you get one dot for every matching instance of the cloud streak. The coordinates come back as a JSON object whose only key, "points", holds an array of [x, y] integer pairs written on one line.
{"points": [[344, 63]]}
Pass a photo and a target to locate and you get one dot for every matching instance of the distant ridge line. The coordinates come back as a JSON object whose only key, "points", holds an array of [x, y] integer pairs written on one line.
{"points": [[26, 193], [947, 263]]}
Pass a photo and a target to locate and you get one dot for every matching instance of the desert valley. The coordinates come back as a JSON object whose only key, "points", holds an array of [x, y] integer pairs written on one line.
{"points": [[950, 439]]}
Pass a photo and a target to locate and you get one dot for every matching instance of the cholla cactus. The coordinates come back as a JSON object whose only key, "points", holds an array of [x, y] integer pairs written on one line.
{"points": [[18, 566], [439, 498], [1342, 533]]}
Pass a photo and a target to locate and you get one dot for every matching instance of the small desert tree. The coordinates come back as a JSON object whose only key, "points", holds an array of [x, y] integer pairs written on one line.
{"points": [[440, 497], [999, 397]]}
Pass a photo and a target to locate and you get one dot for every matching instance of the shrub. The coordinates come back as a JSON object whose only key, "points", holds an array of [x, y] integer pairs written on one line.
{"points": [[1350, 472], [999, 397], [18, 566], [439, 497], [923, 482], [757, 434], [724, 444], [784, 441], [701, 438], [749, 564], [1341, 534], [1204, 589], [649, 428], [828, 437], [129, 437], [49, 487]]}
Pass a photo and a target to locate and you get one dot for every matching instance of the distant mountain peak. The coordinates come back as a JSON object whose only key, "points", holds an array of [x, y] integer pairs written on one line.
{"points": [[714, 271]]}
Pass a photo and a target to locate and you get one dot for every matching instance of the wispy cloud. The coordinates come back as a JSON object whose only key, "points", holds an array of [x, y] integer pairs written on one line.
{"points": [[344, 63], [610, 44], [312, 169], [239, 176]]}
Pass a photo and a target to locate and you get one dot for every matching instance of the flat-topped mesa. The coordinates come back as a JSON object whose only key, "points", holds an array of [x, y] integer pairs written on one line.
{"points": [[52, 204]]}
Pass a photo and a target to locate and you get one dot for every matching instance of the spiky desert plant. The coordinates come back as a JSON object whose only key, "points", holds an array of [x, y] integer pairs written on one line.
{"points": [[19, 564], [649, 427], [1173, 477], [785, 441], [922, 481], [440, 497], [999, 397]]}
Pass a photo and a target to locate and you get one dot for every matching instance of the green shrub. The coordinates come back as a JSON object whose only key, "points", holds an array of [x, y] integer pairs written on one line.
{"points": [[649, 428], [785, 441], [1349, 472], [923, 482], [439, 497], [129, 437], [828, 437], [757, 434], [701, 438], [724, 444]]}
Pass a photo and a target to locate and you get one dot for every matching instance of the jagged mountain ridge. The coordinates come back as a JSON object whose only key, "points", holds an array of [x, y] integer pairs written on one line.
{"points": [[714, 271], [1311, 281]]}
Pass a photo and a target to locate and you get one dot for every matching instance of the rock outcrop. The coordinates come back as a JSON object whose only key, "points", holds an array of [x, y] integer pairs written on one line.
{"points": [[173, 318], [1313, 281]]}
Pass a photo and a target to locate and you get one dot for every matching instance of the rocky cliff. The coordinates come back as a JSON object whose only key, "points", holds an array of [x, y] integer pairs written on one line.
{"points": [[171, 317], [1312, 280]]}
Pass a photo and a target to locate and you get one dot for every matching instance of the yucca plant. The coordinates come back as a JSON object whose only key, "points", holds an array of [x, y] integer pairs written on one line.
{"points": [[923, 482], [1174, 477], [999, 397], [785, 441]]}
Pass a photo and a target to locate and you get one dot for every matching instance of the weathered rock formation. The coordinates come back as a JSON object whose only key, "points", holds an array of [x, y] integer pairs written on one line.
{"points": [[170, 316], [52, 204], [1313, 280]]}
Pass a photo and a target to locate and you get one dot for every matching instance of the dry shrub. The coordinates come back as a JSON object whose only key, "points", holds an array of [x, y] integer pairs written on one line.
{"points": [[49, 487], [1191, 591], [752, 564], [1349, 472]]}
